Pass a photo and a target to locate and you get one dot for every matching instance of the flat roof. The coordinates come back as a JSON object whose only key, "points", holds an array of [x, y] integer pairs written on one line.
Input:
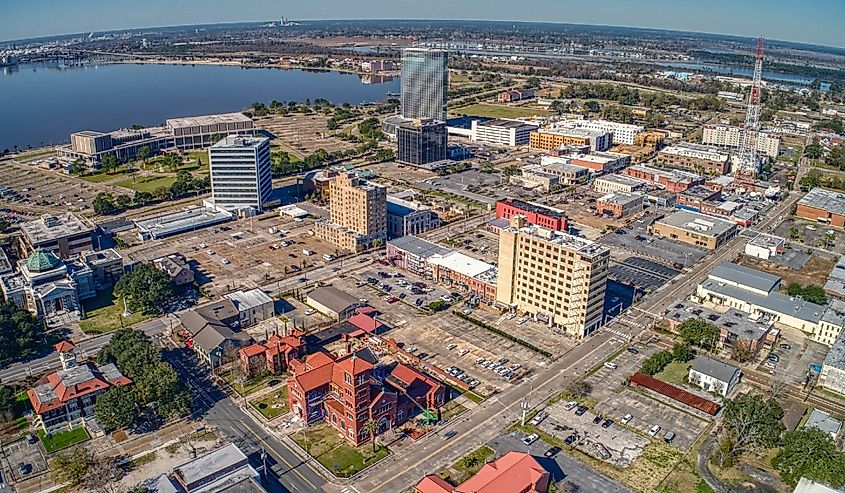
{"points": [[836, 278], [620, 179], [621, 198], [696, 151], [245, 300], [699, 192], [179, 222], [51, 226], [535, 208], [672, 174], [823, 421], [574, 132], [418, 246], [827, 200], [462, 264], [775, 302], [771, 241], [700, 223], [836, 354], [742, 324], [745, 276], [211, 464], [193, 121], [239, 141], [580, 245], [502, 123]]}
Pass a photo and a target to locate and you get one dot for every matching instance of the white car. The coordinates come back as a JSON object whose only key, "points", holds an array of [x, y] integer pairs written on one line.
{"points": [[570, 405], [451, 346], [310, 311], [530, 439], [627, 419], [463, 352], [611, 365], [654, 430]]}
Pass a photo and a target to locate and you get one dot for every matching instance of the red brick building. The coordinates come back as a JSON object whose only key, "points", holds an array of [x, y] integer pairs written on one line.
{"points": [[272, 356], [343, 392], [672, 180], [826, 206], [535, 213], [514, 472]]}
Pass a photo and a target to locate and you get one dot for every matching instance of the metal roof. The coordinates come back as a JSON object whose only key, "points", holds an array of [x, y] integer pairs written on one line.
{"points": [[745, 276], [245, 300], [714, 368], [418, 246], [774, 302]]}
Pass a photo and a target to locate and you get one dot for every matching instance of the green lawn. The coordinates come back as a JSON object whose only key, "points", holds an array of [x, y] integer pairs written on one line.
{"points": [[273, 404], [101, 177], [62, 440], [105, 314], [499, 111], [470, 464], [147, 183], [334, 453], [675, 373], [450, 410], [250, 385], [473, 396]]}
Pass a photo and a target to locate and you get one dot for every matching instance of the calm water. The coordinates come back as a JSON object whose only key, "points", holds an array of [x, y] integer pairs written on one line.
{"points": [[45, 103]]}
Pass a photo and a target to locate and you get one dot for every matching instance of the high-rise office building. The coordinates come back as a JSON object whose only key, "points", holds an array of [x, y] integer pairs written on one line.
{"points": [[425, 81], [358, 213], [557, 277], [240, 172], [421, 142]]}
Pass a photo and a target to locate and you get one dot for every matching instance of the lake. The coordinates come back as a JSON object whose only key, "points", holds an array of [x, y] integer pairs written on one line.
{"points": [[44, 103]]}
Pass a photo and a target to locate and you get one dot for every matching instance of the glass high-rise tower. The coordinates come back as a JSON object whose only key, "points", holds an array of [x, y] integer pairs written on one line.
{"points": [[425, 81]]}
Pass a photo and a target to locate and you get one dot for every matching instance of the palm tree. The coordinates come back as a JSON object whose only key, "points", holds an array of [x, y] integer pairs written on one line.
{"points": [[371, 427]]}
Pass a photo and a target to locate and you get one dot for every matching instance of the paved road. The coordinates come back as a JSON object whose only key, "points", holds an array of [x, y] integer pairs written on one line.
{"points": [[288, 472], [88, 347]]}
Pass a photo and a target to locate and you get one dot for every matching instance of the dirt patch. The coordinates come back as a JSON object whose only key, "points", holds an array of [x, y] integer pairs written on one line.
{"points": [[815, 270]]}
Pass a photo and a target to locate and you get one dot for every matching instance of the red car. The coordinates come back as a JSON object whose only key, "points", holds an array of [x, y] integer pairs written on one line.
{"points": [[392, 299]]}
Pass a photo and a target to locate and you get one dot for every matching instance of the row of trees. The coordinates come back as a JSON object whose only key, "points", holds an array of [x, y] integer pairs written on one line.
{"points": [[105, 203], [812, 293], [21, 336], [654, 364], [156, 388]]}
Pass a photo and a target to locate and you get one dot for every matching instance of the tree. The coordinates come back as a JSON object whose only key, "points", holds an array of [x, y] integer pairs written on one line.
{"points": [[682, 352], [655, 363], [579, 389], [20, 333], [752, 424], [698, 332], [146, 289], [814, 151], [109, 163], [159, 383], [131, 351], [371, 427], [71, 466], [812, 454], [142, 198], [742, 351], [103, 204], [794, 233], [532, 82], [592, 106], [77, 167], [122, 202], [815, 294], [116, 408], [103, 475], [8, 404], [793, 289], [144, 153]]}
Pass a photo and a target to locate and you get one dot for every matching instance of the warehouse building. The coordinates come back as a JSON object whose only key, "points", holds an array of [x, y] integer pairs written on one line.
{"points": [[695, 229], [824, 206]]}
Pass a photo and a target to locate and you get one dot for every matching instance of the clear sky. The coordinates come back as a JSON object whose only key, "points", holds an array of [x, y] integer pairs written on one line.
{"points": [[811, 21]]}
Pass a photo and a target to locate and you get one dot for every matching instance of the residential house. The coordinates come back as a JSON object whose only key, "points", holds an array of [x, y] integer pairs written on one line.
{"points": [[333, 302], [253, 306], [176, 266], [211, 331], [824, 422], [713, 375]]}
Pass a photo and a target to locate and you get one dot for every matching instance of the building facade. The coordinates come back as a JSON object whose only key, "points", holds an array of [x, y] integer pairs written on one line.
{"points": [[240, 173], [620, 204], [509, 133], [548, 140], [421, 142], [672, 180], [358, 213], [695, 157], [617, 183], [406, 217], [425, 83], [695, 229], [730, 137], [623, 133], [556, 277], [64, 234], [823, 206], [535, 214]]}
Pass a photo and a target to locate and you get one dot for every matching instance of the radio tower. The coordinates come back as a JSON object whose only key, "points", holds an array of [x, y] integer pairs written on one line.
{"points": [[748, 165]]}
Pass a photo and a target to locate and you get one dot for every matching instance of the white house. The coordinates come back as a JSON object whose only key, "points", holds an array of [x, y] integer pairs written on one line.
{"points": [[713, 375]]}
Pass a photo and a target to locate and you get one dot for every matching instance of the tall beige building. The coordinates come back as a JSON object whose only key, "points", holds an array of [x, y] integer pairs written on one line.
{"points": [[358, 213], [552, 275]]}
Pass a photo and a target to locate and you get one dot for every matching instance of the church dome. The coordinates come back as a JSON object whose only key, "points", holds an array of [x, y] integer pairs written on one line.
{"points": [[42, 261]]}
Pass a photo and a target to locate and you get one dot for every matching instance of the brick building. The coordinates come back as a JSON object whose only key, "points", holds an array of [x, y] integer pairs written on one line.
{"points": [[822, 205], [273, 356], [536, 214]]}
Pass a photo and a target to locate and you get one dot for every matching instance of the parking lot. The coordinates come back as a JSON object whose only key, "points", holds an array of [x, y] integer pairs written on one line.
{"points": [[526, 328], [302, 134], [479, 244], [794, 363], [401, 286], [615, 400], [641, 272], [25, 453], [635, 238], [46, 190], [811, 233]]}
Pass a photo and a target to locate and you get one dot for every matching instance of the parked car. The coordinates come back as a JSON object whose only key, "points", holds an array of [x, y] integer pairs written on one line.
{"points": [[669, 436], [633, 350], [570, 405], [654, 430], [570, 439], [581, 410], [597, 420], [785, 347], [449, 434], [451, 346], [310, 311], [607, 423], [627, 419], [774, 358], [538, 418], [611, 365], [530, 439], [552, 452]]}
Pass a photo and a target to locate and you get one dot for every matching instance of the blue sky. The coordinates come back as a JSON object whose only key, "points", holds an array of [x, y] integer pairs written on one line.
{"points": [[812, 21]]}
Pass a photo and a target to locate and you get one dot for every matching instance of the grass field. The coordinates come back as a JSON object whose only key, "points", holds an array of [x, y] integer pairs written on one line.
{"points": [[675, 373], [324, 444], [105, 314], [101, 177], [273, 404], [250, 385], [451, 409], [65, 439], [499, 111], [147, 183]]}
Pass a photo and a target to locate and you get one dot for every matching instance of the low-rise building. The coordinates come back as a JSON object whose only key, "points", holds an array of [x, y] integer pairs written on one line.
{"points": [[176, 266], [333, 302], [537, 214], [713, 375], [253, 306], [514, 472], [596, 162], [412, 253], [617, 183], [272, 356], [212, 331], [765, 246], [183, 221], [623, 133], [737, 329], [510, 133], [225, 470], [63, 234], [673, 180], [619, 204], [551, 175], [513, 95], [695, 157], [823, 421], [832, 375], [835, 284], [692, 198], [469, 275], [65, 399], [407, 217], [548, 139], [695, 229], [824, 206]]}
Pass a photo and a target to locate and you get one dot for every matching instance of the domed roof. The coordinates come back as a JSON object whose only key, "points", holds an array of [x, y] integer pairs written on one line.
{"points": [[42, 261]]}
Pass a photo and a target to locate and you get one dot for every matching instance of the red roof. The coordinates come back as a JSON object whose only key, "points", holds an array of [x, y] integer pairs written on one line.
{"points": [[364, 322], [64, 347], [56, 392], [515, 472], [314, 372], [253, 350], [675, 393], [354, 365], [365, 310]]}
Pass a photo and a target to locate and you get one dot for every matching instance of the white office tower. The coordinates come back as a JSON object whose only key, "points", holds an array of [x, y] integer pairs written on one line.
{"points": [[425, 81], [240, 173]]}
